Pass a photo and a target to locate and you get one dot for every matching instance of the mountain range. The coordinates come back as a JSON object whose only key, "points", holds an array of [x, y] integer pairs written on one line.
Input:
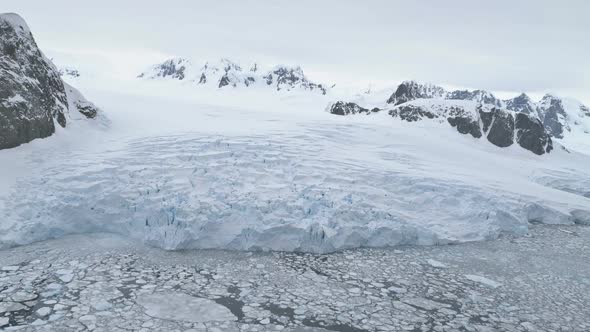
{"points": [[479, 113], [226, 73]]}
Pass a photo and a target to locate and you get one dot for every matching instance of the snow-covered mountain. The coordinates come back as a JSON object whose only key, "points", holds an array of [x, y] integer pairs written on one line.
{"points": [[69, 72], [32, 95], [480, 113], [226, 73]]}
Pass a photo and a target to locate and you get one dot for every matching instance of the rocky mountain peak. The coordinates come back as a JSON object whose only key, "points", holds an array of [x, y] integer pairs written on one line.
{"points": [[522, 104], [410, 90]]}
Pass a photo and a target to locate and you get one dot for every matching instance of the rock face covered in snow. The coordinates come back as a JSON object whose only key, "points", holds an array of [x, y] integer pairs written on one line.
{"points": [[171, 68], [479, 113], [32, 95], [553, 115], [288, 78], [522, 104], [226, 73], [411, 90]]}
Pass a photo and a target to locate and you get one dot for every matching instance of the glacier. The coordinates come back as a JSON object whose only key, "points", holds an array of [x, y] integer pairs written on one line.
{"points": [[253, 170]]}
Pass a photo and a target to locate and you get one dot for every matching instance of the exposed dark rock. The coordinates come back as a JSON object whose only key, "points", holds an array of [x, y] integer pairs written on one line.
{"points": [[31, 91], [342, 108], [410, 90], [249, 80], [531, 135], [203, 79], [465, 125], [224, 80], [501, 131], [88, 111], [411, 113]]}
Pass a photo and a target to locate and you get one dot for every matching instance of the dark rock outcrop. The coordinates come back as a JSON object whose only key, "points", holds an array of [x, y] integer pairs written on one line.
{"points": [[500, 127], [531, 135], [343, 108], [465, 125], [32, 93], [224, 81]]}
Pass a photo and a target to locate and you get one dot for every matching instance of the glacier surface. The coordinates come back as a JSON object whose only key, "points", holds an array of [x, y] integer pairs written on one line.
{"points": [[249, 170]]}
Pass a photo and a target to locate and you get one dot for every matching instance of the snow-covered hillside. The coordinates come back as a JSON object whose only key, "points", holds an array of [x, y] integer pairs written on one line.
{"points": [[245, 169], [226, 73]]}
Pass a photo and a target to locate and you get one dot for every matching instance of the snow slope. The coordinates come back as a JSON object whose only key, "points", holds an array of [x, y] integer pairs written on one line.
{"points": [[252, 169]]}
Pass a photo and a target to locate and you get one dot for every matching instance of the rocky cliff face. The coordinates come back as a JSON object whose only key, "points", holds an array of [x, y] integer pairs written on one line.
{"points": [[33, 97]]}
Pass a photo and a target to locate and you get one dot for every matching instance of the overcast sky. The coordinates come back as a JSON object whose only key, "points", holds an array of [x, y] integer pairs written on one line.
{"points": [[503, 46]]}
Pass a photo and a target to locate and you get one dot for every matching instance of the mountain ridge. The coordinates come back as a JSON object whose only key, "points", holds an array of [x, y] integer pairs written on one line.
{"points": [[227, 73]]}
